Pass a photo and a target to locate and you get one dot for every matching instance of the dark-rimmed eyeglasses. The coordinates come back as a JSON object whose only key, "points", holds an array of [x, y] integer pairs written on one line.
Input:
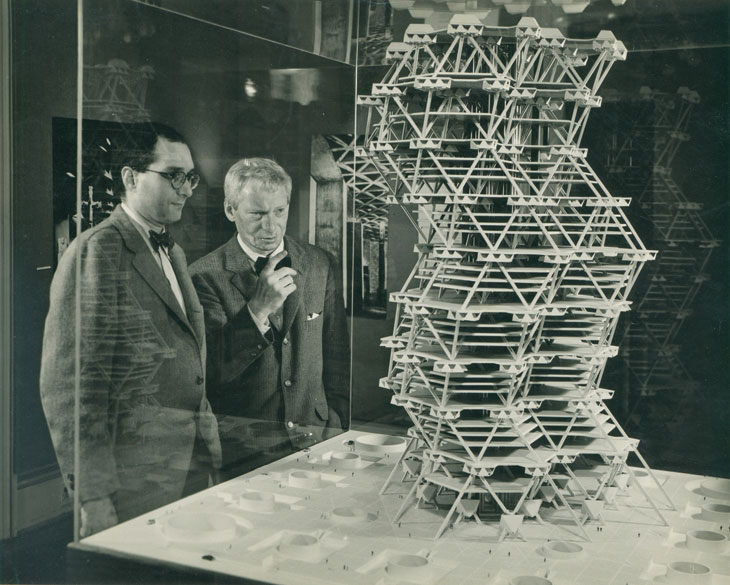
{"points": [[178, 178]]}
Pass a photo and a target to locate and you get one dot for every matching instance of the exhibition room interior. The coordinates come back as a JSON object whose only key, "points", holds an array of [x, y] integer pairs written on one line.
{"points": [[304, 83]]}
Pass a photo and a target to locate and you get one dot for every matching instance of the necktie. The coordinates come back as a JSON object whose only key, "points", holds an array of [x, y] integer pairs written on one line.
{"points": [[261, 262], [161, 239], [164, 240]]}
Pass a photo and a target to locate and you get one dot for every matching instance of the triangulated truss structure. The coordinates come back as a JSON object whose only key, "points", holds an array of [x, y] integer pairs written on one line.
{"points": [[116, 91], [364, 180], [369, 223], [641, 160], [525, 263]]}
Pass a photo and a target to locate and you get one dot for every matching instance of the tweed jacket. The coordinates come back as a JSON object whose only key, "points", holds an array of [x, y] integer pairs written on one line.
{"points": [[142, 402], [297, 380]]}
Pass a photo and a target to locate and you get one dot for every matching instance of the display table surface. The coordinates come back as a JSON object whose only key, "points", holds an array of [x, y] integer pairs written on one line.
{"points": [[317, 517]]}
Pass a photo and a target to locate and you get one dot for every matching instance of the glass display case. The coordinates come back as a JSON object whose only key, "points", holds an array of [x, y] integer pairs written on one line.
{"points": [[174, 379], [495, 350]]}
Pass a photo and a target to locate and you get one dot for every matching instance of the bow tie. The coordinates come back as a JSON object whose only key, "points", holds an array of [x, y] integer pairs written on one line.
{"points": [[161, 239], [262, 261]]}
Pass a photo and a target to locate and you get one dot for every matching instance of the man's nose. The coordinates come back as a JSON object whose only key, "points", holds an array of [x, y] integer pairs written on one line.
{"points": [[186, 189], [267, 222]]}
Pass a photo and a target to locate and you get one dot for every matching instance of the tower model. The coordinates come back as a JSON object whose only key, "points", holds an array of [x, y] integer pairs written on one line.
{"points": [[525, 262]]}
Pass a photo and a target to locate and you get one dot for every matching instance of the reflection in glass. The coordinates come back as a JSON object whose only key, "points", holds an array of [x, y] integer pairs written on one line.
{"points": [[368, 229], [140, 335], [647, 136]]}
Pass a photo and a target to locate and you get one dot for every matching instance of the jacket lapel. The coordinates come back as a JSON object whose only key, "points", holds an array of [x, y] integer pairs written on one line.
{"points": [[237, 264], [146, 266], [192, 305]]}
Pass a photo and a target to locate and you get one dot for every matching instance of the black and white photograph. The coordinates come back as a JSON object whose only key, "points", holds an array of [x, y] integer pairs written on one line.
{"points": [[365, 292]]}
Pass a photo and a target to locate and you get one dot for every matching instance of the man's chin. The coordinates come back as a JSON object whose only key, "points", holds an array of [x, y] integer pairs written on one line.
{"points": [[265, 247], [175, 215]]}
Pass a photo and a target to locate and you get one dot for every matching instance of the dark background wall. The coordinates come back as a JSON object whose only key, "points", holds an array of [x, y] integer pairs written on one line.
{"points": [[44, 86], [684, 425]]}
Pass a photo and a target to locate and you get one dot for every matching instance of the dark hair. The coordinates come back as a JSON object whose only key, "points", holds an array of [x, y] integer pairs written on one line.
{"points": [[137, 149]]}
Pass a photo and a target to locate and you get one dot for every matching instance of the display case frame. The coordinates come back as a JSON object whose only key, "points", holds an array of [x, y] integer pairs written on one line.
{"points": [[5, 272]]}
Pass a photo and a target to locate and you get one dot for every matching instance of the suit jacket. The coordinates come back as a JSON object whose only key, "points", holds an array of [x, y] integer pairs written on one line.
{"points": [[295, 383], [142, 403]]}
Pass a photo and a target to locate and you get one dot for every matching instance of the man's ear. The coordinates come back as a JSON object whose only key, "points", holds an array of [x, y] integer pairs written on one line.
{"points": [[228, 208], [128, 178]]}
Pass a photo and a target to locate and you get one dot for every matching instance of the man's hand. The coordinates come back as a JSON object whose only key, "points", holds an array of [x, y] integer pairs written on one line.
{"points": [[97, 515], [272, 288]]}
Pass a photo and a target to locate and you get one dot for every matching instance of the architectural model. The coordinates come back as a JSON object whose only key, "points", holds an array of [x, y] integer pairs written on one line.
{"points": [[525, 263]]}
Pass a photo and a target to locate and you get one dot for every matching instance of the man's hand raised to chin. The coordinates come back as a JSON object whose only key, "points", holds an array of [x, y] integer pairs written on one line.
{"points": [[273, 287]]}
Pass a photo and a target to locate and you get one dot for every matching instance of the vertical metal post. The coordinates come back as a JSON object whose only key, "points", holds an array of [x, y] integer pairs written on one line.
{"points": [[77, 345], [6, 218]]}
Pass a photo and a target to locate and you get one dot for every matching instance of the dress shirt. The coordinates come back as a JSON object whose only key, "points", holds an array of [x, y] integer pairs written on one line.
{"points": [[161, 255]]}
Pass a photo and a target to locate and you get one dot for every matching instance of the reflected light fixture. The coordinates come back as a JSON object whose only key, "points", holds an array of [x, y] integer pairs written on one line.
{"points": [[250, 88], [435, 11]]}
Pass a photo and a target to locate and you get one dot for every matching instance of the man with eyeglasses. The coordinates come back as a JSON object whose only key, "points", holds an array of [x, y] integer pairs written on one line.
{"points": [[131, 362]]}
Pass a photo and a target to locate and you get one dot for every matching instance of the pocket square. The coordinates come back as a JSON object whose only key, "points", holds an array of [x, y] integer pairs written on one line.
{"points": [[313, 316]]}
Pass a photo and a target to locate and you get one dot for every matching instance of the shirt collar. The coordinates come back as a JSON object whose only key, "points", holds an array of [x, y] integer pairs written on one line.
{"points": [[253, 256], [141, 221]]}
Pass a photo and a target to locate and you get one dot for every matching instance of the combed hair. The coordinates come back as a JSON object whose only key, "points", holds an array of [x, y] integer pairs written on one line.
{"points": [[263, 170], [138, 149]]}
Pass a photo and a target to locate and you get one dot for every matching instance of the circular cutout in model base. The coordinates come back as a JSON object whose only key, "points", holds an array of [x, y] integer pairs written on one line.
{"points": [[302, 547], [199, 527], [687, 573], [561, 549], [716, 513], [380, 443], [309, 480], [345, 460], [716, 488], [260, 502], [530, 580], [348, 515], [707, 541], [410, 568]]}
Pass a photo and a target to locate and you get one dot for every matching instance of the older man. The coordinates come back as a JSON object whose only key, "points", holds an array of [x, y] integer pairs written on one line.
{"points": [[278, 363], [147, 435]]}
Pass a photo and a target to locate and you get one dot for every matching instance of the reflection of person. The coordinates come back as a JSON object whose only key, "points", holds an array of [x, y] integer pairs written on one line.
{"points": [[278, 348], [147, 435]]}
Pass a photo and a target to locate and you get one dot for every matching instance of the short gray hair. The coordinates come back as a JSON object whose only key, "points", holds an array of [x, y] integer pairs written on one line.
{"points": [[263, 170]]}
